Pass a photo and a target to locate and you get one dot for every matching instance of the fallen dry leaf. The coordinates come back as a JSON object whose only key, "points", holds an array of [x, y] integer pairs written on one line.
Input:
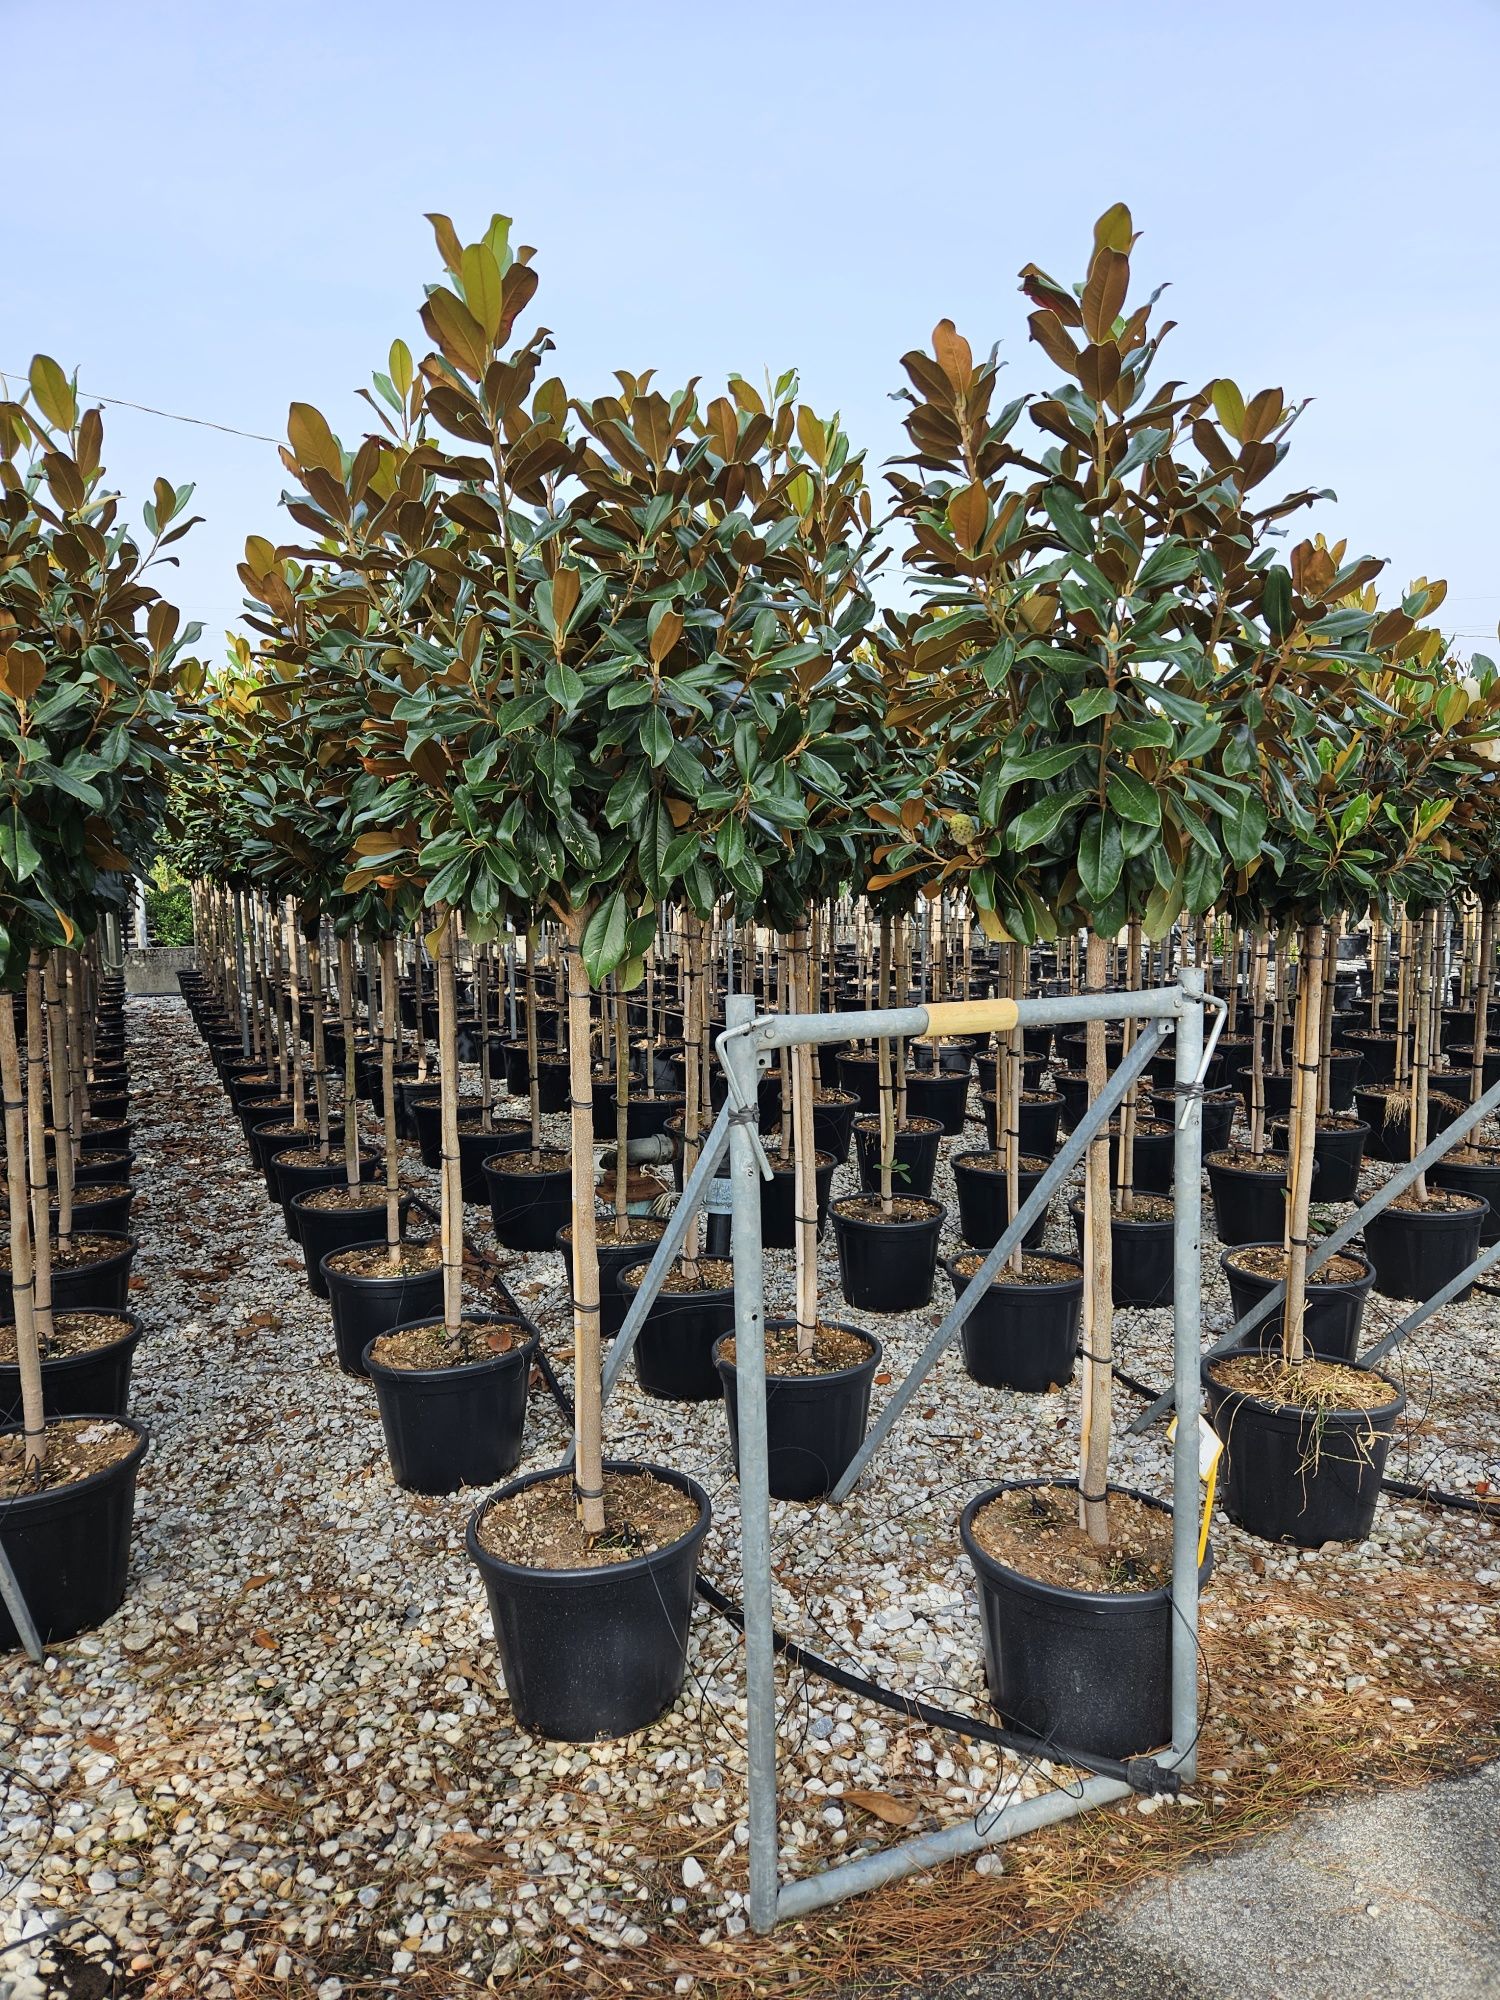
{"points": [[894, 1812], [263, 1638]]}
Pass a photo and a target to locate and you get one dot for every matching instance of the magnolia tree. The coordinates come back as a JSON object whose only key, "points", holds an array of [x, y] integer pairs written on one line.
{"points": [[90, 657]]}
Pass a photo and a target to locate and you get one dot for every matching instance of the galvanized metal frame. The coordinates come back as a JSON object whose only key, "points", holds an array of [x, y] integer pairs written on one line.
{"points": [[1347, 1230], [745, 1042]]}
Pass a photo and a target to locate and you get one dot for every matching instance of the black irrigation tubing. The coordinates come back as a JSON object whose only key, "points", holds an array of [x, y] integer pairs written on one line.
{"points": [[1141, 1774]]}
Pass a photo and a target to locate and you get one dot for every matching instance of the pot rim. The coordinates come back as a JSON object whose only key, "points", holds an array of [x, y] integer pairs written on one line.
{"points": [[564, 1248], [868, 1122], [1075, 1207], [1421, 1218], [601, 1573], [19, 1502], [777, 1323], [1110, 1602], [378, 1370], [966, 1158], [1314, 1279], [938, 1215], [495, 1164], [60, 1362], [374, 1278], [364, 1209], [1299, 1412], [629, 1281], [961, 1284]]}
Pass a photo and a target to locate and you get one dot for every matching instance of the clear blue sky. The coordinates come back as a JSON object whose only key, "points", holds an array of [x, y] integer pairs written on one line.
{"points": [[222, 211]]}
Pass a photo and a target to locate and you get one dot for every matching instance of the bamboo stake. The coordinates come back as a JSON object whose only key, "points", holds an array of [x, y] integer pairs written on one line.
{"points": [[450, 1198], [690, 987], [1098, 1302], [883, 1072], [60, 1081], [1418, 1096], [805, 1169], [351, 1088], [1303, 1136], [1485, 973], [36, 1148], [588, 1413], [390, 1012], [622, 1112], [22, 1264], [1258, 976]]}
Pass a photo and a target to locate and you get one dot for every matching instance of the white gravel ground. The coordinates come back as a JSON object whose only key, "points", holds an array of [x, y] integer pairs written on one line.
{"points": [[289, 1759]]}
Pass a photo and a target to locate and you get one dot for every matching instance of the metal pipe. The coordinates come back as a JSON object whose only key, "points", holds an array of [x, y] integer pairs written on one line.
{"points": [[945, 1017], [738, 1054], [928, 1850], [20, 1610], [1334, 1242], [1035, 1203], [1187, 1315], [1444, 1296]]}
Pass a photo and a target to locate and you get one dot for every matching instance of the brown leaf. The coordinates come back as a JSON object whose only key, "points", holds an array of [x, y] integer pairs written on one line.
{"points": [[955, 356], [894, 1812], [255, 1582], [1104, 293], [263, 1639], [96, 1740]]}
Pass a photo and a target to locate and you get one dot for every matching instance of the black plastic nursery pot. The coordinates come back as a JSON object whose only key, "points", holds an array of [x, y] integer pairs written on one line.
{"points": [[1219, 1107], [1249, 1202], [1295, 1474], [101, 1285], [1416, 1251], [1479, 1176], [646, 1117], [1072, 1088], [1377, 1054], [70, 1546], [451, 1427], [1388, 1116], [428, 1113], [939, 1094], [861, 1074], [365, 1307], [1022, 1335], [673, 1353], [1153, 1160], [1462, 1054], [1084, 1670], [102, 1212], [914, 1154], [527, 1208], [1142, 1256], [321, 1231], [814, 1423], [75, 1385], [505, 1135], [887, 1266], [1335, 1309], [834, 1113], [552, 1084], [267, 1139], [1338, 1155], [979, 1181], [94, 1168], [590, 1654], [778, 1201], [613, 1259], [301, 1171], [1344, 1069]]}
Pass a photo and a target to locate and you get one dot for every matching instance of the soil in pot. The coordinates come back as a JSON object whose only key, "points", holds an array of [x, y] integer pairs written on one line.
{"points": [[817, 1404], [979, 1181], [620, 1245], [592, 1635], [887, 1259], [1022, 1332], [91, 1275], [68, 1534], [914, 1157], [1077, 1640], [1305, 1445], [530, 1196], [452, 1404], [330, 1218], [673, 1352], [1418, 1246], [1249, 1195], [1472, 1170], [85, 1366], [1336, 1295], [370, 1293], [301, 1170]]}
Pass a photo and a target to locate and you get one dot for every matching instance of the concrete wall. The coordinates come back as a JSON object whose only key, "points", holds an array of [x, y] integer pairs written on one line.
{"points": [[152, 969]]}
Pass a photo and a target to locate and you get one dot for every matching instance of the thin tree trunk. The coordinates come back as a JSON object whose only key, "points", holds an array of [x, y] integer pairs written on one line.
{"points": [[622, 1112], [690, 985], [1422, 1063], [1483, 986], [351, 1085], [22, 1265], [588, 1412], [883, 1072], [1303, 1136], [36, 1147], [1258, 974], [60, 1080], [805, 1174], [1128, 1111], [1098, 1300], [319, 1043], [390, 1013], [451, 1198], [1008, 1054]]}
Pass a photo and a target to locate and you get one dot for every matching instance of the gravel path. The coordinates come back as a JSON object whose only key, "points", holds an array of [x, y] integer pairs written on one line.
{"points": [[288, 1763]]}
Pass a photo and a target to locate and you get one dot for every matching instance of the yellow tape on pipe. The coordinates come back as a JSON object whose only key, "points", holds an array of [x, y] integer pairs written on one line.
{"points": [[971, 1017]]}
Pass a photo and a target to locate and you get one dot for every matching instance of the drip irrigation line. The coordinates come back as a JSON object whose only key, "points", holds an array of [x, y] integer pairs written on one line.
{"points": [[1142, 1774]]}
